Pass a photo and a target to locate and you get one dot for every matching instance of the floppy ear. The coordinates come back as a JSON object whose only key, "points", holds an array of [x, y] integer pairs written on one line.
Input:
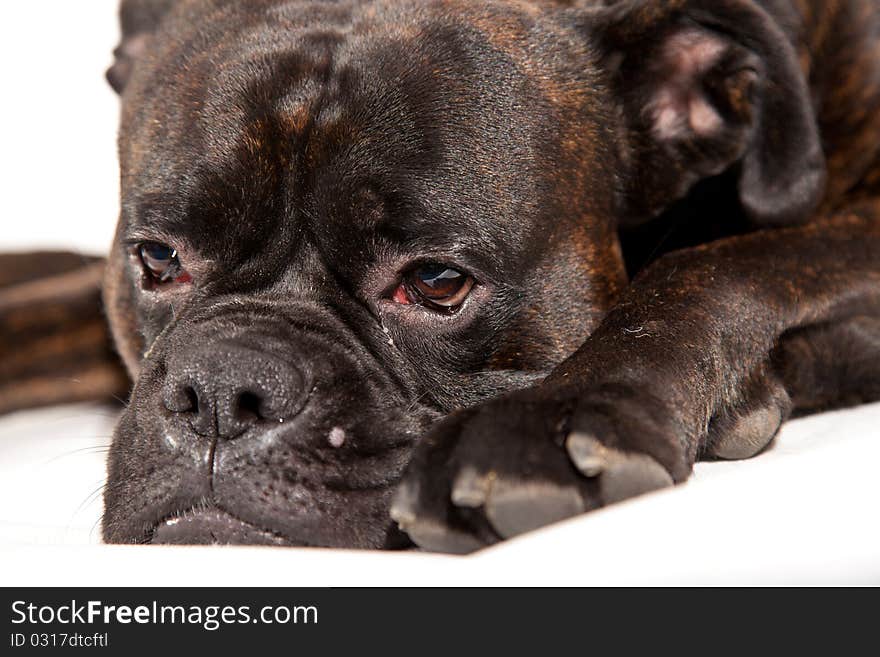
{"points": [[707, 86], [138, 20]]}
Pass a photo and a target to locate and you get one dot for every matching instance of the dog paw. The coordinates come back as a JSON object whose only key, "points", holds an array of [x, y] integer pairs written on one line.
{"points": [[527, 460]]}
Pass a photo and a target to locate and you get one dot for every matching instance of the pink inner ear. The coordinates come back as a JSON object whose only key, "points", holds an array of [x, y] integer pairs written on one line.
{"points": [[679, 108]]}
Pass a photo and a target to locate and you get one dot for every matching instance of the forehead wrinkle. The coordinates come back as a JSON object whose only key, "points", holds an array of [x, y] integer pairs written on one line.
{"points": [[254, 114], [470, 178], [260, 53], [247, 99], [256, 174]]}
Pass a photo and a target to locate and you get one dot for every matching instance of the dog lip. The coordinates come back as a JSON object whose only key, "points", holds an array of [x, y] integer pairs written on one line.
{"points": [[213, 526]]}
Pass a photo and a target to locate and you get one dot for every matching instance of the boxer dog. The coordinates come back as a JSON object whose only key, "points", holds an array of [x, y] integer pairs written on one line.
{"points": [[446, 271]]}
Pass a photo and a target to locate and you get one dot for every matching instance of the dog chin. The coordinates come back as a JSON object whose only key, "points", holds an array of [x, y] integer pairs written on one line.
{"points": [[214, 526]]}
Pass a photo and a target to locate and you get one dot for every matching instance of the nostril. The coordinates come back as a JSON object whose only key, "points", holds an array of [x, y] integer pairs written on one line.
{"points": [[248, 407], [183, 397], [192, 398], [188, 400]]}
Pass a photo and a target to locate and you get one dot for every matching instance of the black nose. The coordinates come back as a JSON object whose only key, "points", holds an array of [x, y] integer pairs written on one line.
{"points": [[227, 387]]}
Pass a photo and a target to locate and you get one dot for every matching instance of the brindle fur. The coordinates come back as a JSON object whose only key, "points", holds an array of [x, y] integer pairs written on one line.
{"points": [[54, 341]]}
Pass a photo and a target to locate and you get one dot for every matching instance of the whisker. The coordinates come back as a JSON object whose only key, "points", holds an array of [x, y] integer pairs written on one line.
{"points": [[68, 418], [105, 488], [120, 400], [99, 521], [91, 497], [92, 449]]}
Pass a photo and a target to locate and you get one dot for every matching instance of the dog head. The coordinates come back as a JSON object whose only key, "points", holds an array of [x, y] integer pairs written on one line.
{"points": [[342, 221]]}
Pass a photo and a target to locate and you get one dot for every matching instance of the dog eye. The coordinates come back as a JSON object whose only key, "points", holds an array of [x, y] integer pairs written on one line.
{"points": [[161, 262], [434, 285]]}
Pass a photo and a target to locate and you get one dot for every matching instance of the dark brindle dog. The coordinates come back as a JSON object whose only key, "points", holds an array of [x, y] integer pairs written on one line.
{"points": [[601, 240]]}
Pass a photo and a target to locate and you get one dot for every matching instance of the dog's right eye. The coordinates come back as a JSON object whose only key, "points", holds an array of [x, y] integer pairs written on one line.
{"points": [[434, 285], [161, 263]]}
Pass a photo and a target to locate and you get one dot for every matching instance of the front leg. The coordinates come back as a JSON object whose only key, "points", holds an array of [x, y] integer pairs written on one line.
{"points": [[682, 366]]}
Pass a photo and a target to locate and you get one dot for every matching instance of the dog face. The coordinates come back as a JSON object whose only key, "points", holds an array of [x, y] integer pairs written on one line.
{"points": [[342, 221], [366, 222]]}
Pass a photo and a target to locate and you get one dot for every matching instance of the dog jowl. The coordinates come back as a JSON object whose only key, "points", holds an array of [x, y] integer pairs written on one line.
{"points": [[369, 282]]}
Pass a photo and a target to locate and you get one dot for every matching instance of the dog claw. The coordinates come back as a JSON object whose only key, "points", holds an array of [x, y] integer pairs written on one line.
{"points": [[427, 533], [517, 508], [402, 506], [470, 488], [587, 453], [621, 475]]}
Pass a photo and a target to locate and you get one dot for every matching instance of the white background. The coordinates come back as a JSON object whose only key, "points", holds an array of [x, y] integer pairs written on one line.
{"points": [[58, 116], [805, 512]]}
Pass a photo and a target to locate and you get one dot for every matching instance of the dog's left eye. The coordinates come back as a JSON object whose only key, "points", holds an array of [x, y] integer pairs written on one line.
{"points": [[161, 262]]}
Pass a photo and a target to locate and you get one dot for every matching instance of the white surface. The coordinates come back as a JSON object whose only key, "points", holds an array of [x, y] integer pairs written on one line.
{"points": [[805, 512]]}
